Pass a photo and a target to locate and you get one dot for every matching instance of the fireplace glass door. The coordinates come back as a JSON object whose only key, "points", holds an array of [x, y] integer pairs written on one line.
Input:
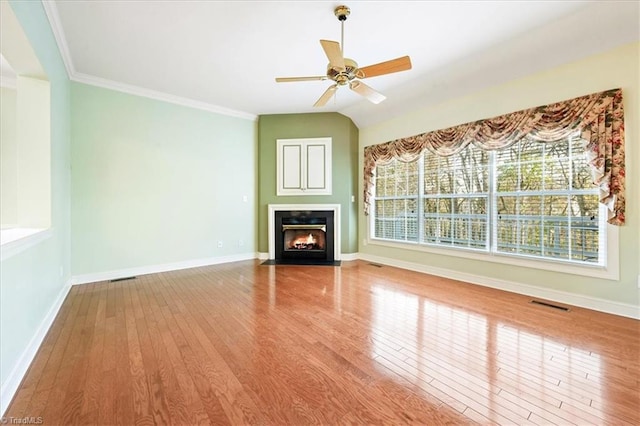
{"points": [[304, 236]]}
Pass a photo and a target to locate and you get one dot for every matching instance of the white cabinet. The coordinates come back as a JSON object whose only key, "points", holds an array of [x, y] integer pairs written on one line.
{"points": [[304, 166]]}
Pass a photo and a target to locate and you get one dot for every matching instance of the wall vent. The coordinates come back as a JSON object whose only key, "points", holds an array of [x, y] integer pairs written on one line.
{"points": [[122, 279], [549, 305]]}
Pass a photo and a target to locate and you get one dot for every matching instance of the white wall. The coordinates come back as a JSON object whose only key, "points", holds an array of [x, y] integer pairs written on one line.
{"points": [[618, 68]]}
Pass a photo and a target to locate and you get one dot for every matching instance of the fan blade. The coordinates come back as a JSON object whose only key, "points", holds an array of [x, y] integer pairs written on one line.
{"points": [[388, 67], [326, 96], [333, 52], [289, 79], [366, 91]]}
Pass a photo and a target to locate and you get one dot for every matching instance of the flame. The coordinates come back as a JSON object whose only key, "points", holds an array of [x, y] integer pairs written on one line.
{"points": [[304, 242]]}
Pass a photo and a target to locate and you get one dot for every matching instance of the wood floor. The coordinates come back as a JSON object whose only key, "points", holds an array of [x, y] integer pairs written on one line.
{"points": [[243, 343]]}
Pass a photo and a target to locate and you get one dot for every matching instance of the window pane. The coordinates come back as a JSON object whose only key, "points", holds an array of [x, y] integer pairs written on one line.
{"points": [[380, 184], [396, 214], [430, 225], [448, 219], [397, 219], [507, 170], [557, 165], [584, 229], [582, 177], [562, 224], [431, 166]]}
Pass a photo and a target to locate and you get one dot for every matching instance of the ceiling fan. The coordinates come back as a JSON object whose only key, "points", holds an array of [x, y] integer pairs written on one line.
{"points": [[344, 71]]}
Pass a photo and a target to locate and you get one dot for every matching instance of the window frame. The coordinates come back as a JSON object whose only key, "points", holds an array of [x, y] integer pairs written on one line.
{"points": [[608, 245]]}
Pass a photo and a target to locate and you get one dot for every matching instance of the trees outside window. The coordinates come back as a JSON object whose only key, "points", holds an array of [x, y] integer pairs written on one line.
{"points": [[529, 199]]}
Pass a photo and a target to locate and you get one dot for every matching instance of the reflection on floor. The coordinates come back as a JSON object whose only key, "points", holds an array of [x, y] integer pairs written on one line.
{"points": [[362, 344]]}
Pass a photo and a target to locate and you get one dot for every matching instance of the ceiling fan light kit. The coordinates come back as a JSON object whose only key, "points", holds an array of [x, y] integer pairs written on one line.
{"points": [[345, 71]]}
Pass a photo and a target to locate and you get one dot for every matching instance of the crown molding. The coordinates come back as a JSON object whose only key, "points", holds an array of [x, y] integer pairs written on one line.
{"points": [[51, 11], [160, 96]]}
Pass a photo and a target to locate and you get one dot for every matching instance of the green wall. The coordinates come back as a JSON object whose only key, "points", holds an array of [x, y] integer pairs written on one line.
{"points": [[155, 183], [34, 279], [344, 159]]}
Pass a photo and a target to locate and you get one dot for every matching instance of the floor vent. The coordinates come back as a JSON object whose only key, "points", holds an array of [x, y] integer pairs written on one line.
{"points": [[122, 279], [549, 305], [377, 265]]}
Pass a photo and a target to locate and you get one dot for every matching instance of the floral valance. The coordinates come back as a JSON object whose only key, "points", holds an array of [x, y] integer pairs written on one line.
{"points": [[599, 117]]}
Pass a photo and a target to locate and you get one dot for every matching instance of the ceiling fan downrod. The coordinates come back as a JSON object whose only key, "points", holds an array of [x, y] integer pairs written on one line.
{"points": [[341, 13]]}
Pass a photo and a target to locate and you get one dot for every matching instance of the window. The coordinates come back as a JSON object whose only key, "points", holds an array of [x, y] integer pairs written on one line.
{"points": [[25, 111], [531, 199]]}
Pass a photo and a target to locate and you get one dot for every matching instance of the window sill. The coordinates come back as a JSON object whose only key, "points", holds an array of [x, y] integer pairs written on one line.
{"points": [[609, 273], [16, 240]]}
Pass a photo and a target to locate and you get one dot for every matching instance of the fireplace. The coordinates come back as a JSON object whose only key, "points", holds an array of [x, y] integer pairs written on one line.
{"points": [[304, 234]]}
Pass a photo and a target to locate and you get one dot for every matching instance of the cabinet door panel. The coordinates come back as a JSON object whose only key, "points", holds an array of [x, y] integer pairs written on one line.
{"points": [[291, 172], [316, 167], [303, 166]]}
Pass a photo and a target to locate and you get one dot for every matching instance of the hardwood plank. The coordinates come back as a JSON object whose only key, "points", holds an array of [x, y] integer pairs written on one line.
{"points": [[140, 397], [179, 405], [243, 343], [64, 401]]}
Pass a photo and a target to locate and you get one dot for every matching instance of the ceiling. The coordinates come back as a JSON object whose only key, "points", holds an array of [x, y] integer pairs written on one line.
{"points": [[225, 55]]}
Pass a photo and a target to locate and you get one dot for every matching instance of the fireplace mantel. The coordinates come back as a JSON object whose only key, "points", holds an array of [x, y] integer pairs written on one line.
{"points": [[273, 208]]}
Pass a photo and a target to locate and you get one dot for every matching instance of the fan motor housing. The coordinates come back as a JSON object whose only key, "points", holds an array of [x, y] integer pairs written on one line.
{"points": [[343, 77]]}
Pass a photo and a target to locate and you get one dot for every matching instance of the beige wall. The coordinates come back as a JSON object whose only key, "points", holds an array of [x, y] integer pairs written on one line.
{"points": [[618, 68], [8, 156]]}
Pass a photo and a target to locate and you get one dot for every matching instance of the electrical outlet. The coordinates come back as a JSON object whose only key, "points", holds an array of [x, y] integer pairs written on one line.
{"points": [[240, 243], [245, 199], [219, 244]]}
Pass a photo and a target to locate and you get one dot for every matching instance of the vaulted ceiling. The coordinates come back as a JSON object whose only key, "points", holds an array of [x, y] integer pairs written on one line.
{"points": [[225, 55]]}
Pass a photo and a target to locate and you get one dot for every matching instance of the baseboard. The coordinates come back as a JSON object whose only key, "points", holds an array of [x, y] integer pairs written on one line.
{"points": [[154, 269], [596, 304], [11, 384], [347, 257], [263, 256]]}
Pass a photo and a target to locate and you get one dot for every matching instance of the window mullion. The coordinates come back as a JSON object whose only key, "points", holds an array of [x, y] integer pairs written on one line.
{"points": [[542, 204], [570, 210], [517, 199], [420, 199], [492, 205], [438, 218]]}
